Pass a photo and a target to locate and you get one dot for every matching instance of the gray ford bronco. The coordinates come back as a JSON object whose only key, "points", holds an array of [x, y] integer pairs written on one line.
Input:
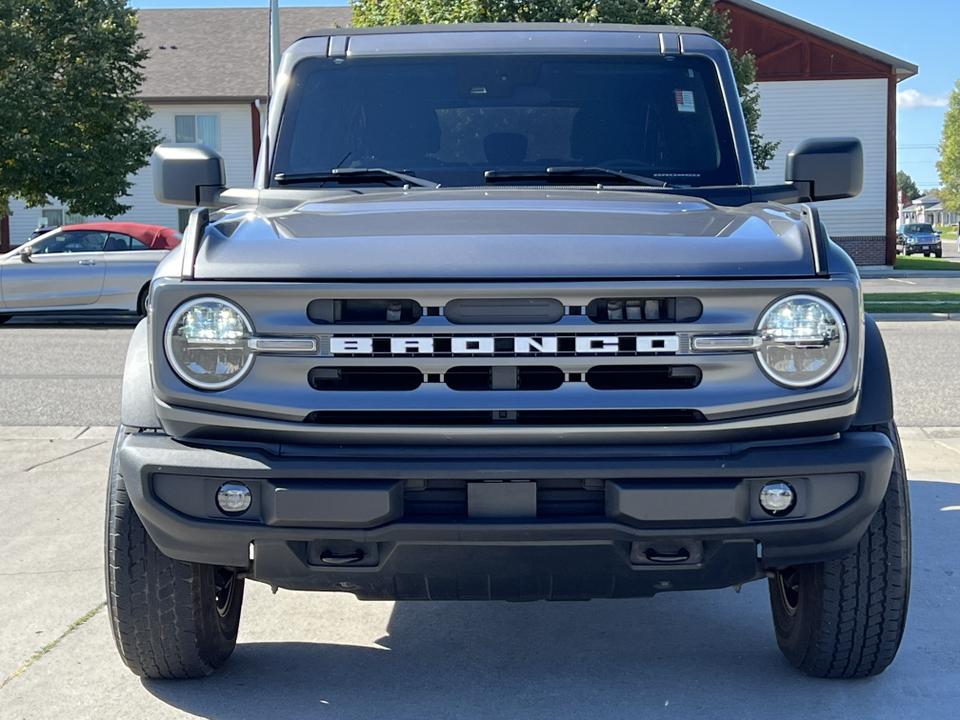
{"points": [[505, 316]]}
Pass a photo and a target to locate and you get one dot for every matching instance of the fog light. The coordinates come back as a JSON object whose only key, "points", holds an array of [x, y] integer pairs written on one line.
{"points": [[777, 498], [234, 497]]}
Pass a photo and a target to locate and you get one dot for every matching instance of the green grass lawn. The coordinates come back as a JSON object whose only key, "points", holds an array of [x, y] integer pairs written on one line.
{"points": [[921, 302], [925, 263], [948, 232]]}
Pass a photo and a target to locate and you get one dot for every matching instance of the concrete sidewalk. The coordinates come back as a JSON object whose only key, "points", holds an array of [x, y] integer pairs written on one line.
{"points": [[705, 654]]}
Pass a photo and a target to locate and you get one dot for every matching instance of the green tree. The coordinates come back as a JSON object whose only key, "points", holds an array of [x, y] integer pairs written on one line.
{"points": [[70, 121], [695, 13], [906, 185], [949, 164]]}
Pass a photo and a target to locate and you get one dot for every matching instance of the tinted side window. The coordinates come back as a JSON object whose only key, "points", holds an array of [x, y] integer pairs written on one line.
{"points": [[75, 241]]}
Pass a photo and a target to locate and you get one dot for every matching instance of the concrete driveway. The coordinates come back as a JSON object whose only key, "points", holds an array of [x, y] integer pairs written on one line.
{"points": [[694, 655]]}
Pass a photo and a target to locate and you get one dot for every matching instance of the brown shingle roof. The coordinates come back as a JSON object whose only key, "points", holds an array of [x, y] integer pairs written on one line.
{"points": [[220, 52]]}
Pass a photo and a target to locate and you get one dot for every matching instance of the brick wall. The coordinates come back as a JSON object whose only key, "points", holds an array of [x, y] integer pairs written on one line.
{"points": [[864, 250]]}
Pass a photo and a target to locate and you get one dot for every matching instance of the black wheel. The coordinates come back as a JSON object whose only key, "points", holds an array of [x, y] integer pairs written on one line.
{"points": [[939, 253], [844, 618], [170, 619], [142, 301], [926, 254]]}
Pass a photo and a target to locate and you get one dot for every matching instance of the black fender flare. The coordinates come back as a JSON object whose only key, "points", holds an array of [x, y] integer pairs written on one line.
{"points": [[876, 391], [137, 403]]}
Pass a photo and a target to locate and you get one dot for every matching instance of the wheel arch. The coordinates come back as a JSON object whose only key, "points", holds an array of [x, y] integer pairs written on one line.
{"points": [[876, 391], [137, 409]]}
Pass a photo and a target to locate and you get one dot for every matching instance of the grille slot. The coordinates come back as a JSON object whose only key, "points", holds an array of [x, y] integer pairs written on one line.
{"points": [[479, 418], [644, 377], [646, 310], [447, 499], [504, 378], [503, 311], [364, 312], [365, 378]]}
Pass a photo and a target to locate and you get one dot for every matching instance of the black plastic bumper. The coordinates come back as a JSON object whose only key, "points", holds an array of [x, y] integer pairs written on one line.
{"points": [[665, 518]]}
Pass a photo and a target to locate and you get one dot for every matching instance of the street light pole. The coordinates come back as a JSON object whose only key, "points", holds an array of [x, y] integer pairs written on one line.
{"points": [[274, 43]]}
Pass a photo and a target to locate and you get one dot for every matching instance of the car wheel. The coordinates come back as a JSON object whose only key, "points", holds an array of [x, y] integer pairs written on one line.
{"points": [[926, 254], [142, 301], [844, 618], [938, 253], [170, 619]]}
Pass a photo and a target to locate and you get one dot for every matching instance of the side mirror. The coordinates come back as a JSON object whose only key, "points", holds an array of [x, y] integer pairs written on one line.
{"points": [[187, 174], [832, 166], [26, 254]]}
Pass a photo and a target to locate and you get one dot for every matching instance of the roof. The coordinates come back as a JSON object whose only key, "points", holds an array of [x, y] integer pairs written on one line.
{"points": [[927, 200], [901, 68], [156, 237], [499, 27], [219, 53]]}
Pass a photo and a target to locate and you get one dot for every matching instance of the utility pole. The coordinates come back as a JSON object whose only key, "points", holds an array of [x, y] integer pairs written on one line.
{"points": [[274, 44]]}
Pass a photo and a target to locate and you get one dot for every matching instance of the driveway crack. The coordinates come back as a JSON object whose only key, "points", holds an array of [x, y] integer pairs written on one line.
{"points": [[61, 457]]}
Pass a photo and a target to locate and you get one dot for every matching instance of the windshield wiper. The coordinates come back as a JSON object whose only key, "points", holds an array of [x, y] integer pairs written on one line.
{"points": [[353, 175], [576, 175]]}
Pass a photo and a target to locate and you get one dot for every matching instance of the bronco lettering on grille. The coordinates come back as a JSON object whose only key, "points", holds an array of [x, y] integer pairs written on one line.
{"points": [[502, 345]]}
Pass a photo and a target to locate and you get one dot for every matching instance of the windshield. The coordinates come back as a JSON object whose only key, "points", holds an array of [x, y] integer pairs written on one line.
{"points": [[918, 228], [451, 119]]}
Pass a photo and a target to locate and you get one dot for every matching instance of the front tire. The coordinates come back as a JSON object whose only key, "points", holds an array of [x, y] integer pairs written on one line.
{"points": [[844, 618], [170, 619]]}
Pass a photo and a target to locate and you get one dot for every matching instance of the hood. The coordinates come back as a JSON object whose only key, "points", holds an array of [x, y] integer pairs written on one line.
{"points": [[506, 233]]}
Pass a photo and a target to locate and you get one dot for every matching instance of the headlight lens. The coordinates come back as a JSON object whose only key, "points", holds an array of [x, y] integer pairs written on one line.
{"points": [[804, 340], [207, 343]]}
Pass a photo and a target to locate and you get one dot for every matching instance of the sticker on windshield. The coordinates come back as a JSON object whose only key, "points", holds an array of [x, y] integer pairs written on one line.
{"points": [[684, 100]]}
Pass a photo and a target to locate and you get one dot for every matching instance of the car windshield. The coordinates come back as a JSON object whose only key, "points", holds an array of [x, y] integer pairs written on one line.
{"points": [[451, 120], [918, 228]]}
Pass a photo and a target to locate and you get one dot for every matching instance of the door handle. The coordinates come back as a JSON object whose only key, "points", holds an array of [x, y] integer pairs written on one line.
{"points": [[86, 262]]}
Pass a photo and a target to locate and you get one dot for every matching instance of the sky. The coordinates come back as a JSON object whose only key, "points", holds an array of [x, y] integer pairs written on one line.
{"points": [[927, 36]]}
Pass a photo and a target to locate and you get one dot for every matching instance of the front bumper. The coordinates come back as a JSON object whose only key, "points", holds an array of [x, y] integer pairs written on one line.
{"points": [[500, 522]]}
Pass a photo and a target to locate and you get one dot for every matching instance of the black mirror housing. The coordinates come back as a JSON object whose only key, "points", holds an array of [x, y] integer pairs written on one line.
{"points": [[832, 166], [187, 174]]}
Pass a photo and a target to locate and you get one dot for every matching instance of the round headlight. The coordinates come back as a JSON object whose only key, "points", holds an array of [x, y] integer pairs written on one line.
{"points": [[207, 343], [803, 341]]}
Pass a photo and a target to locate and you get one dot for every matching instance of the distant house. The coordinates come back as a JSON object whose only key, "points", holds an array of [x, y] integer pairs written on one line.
{"points": [[206, 80], [927, 209]]}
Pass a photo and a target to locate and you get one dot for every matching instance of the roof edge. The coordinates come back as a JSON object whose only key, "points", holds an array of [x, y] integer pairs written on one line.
{"points": [[902, 69], [501, 27]]}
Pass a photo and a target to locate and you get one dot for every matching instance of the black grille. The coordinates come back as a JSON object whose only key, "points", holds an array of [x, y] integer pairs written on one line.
{"points": [[480, 418], [364, 312], [365, 378], [556, 498], [644, 377], [639, 309]]}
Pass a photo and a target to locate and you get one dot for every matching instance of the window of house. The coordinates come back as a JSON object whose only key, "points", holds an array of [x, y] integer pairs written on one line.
{"points": [[51, 217], [198, 128]]}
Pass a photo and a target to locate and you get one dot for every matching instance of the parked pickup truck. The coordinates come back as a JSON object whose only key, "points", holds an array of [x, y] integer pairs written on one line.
{"points": [[505, 316]]}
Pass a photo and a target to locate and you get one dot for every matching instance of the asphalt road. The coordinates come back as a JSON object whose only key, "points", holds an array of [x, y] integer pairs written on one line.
{"points": [[70, 373]]}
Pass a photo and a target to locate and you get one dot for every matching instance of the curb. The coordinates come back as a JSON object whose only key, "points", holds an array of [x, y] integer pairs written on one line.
{"points": [[917, 317]]}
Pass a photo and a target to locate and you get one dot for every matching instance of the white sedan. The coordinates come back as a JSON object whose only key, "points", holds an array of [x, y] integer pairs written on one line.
{"points": [[88, 268]]}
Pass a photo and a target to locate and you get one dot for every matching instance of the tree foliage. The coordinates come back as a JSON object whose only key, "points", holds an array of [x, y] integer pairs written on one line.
{"points": [[70, 121], [949, 164], [907, 186], [694, 13]]}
